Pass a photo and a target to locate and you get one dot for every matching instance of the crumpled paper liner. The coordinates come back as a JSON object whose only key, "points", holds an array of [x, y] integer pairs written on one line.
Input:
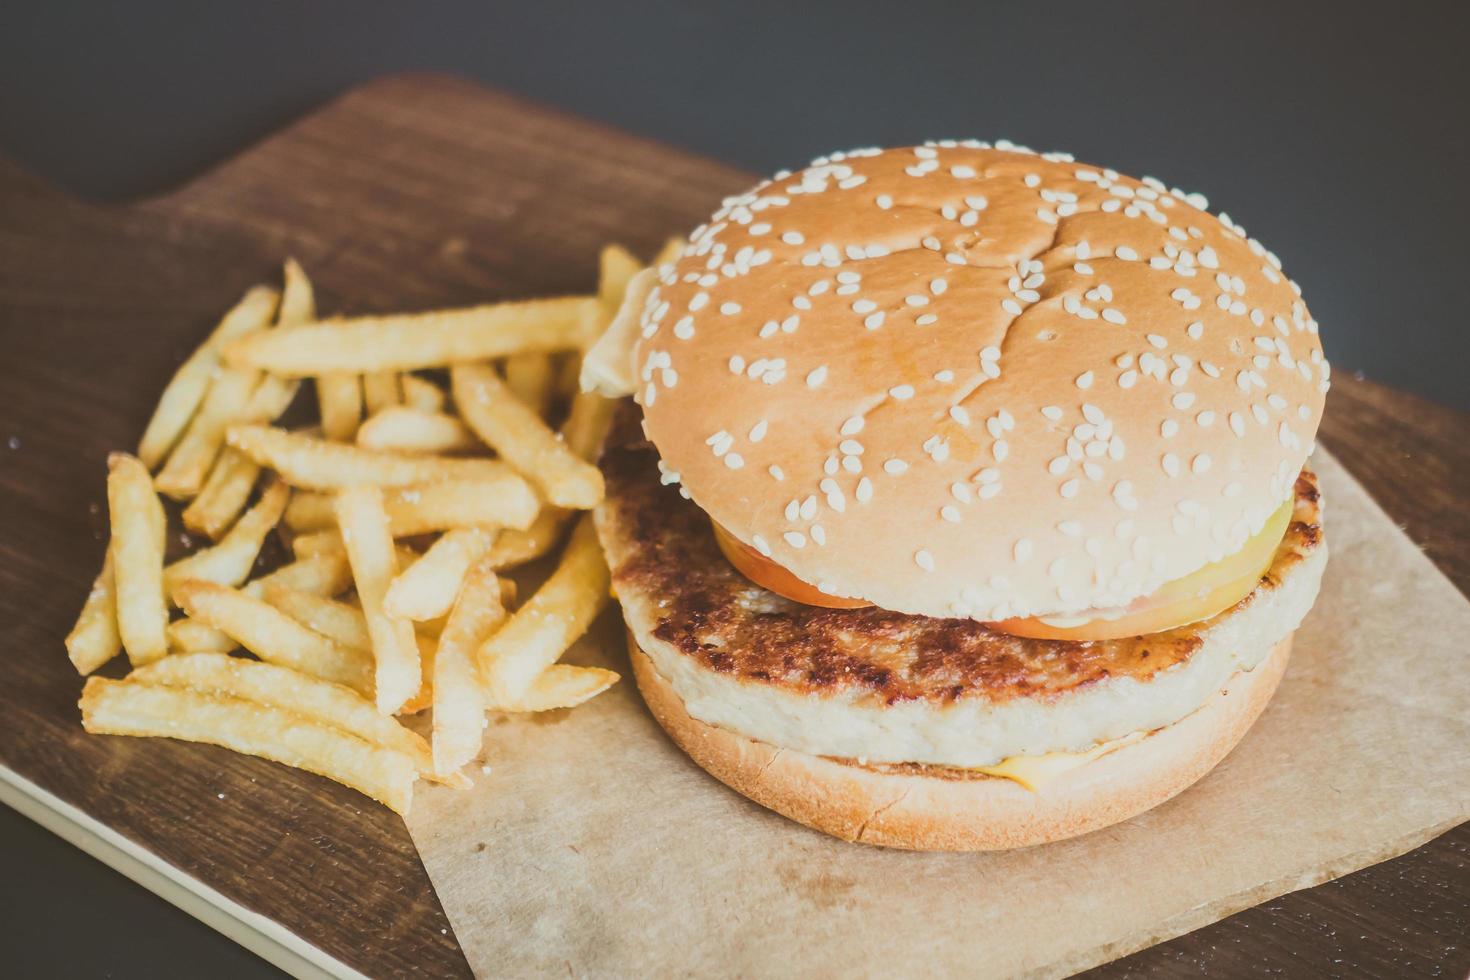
{"points": [[595, 847]]}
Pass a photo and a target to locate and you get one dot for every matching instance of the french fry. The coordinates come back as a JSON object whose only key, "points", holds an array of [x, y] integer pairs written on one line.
{"points": [[138, 529], [94, 639], [131, 708], [424, 697], [672, 250], [281, 687], [529, 377], [422, 394], [335, 620], [275, 637], [380, 390], [400, 429], [364, 525], [587, 424], [519, 435], [186, 389], [187, 466], [325, 574], [560, 686], [514, 548], [407, 342], [191, 636], [616, 268], [223, 495], [426, 589], [316, 543], [315, 464], [339, 398], [310, 511], [550, 621], [459, 706], [230, 561], [298, 305], [504, 502]]}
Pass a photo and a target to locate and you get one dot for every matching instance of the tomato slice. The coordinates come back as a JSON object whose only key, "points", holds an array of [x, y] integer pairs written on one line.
{"points": [[769, 575], [1197, 596]]}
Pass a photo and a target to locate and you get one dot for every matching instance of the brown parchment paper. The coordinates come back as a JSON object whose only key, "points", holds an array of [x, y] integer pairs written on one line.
{"points": [[595, 847]]}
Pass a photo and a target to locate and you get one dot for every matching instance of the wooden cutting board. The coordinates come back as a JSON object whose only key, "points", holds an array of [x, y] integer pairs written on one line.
{"points": [[411, 192]]}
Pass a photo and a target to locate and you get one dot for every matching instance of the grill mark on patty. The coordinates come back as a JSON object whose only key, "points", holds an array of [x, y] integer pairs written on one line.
{"points": [[662, 550]]}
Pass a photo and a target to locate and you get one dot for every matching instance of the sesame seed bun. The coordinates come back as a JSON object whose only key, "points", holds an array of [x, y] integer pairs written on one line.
{"points": [[970, 381], [928, 808]]}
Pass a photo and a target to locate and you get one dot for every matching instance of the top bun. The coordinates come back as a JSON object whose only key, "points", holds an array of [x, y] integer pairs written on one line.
{"points": [[965, 380]]}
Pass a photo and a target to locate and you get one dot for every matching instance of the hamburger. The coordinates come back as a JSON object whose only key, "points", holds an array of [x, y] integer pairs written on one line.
{"points": [[961, 501]]}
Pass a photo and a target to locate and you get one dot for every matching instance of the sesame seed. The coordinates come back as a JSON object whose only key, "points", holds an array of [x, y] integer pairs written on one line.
{"points": [[1052, 412], [734, 460], [776, 472], [758, 431], [1201, 463], [902, 392], [1069, 488], [795, 538], [760, 545], [864, 491], [852, 426], [950, 513], [793, 238], [874, 320], [1113, 316], [1171, 464], [924, 560], [1084, 380], [816, 376], [895, 466], [1023, 551]]}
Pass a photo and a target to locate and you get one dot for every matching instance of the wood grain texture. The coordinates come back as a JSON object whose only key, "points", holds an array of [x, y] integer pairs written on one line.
{"points": [[417, 191]]}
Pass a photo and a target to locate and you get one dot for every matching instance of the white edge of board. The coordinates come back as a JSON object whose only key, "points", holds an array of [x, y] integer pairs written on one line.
{"points": [[263, 936]]}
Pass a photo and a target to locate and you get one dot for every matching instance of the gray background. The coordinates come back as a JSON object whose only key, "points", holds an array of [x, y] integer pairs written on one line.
{"points": [[1336, 133]]}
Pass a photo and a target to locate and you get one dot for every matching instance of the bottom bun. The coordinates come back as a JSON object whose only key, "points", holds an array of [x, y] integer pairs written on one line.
{"points": [[932, 808]]}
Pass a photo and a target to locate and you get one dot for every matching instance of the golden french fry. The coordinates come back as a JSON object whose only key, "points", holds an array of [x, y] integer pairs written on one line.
{"points": [[459, 706], [275, 637], [138, 529], [550, 621], [325, 574], [187, 466], [335, 620], [315, 464], [504, 502], [561, 686], [230, 561], [587, 424], [316, 543], [400, 429], [339, 399], [530, 378], [616, 268], [281, 687], [191, 636], [426, 589], [424, 697], [298, 305], [380, 390], [364, 525], [513, 548], [407, 342], [133, 708], [94, 639], [522, 439], [223, 495], [422, 394], [186, 389]]}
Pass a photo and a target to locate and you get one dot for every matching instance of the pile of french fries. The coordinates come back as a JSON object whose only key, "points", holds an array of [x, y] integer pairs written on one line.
{"points": [[404, 509]]}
